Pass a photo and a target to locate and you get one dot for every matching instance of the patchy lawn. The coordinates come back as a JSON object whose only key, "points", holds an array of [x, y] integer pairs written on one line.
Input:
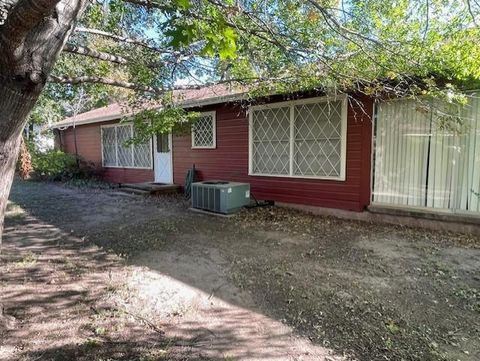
{"points": [[90, 274]]}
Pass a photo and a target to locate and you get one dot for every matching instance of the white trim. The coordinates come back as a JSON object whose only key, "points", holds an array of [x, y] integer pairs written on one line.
{"points": [[291, 104], [292, 139], [296, 176], [250, 143], [322, 99], [116, 147], [118, 167], [101, 145], [343, 140], [372, 150], [213, 100], [105, 118], [213, 113], [170, 140]]}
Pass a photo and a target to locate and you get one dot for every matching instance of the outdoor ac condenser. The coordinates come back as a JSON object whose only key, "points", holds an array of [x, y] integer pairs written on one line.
{"points": [[220, 196]]}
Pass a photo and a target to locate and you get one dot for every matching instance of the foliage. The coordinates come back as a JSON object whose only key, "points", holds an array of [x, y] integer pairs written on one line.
{"points": [[88, 182], [55, 165], [149, 122], [376, 47], [24, 163]]}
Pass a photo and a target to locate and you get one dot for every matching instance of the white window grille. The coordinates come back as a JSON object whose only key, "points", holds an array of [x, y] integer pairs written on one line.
{"points": [[109, 147], [115, 153], [204, 131], [271, 141], [305, 138]]}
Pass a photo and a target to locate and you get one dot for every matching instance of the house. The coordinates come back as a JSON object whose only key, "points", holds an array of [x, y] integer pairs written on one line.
{"points": [[342, 152]]}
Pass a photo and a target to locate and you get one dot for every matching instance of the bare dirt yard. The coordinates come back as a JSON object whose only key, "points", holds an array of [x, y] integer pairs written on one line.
{"points": [[91, 274]]}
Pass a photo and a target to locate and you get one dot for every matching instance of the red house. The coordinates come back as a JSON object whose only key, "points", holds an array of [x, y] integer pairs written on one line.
{"points": [[344, 152]]}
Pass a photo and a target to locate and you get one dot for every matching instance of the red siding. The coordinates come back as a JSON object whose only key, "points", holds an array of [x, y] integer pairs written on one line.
{"points": [[229, 161], [90, 150]]}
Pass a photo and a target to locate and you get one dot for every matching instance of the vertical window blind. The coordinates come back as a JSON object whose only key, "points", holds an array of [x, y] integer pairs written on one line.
{"points": [[423, 160]]}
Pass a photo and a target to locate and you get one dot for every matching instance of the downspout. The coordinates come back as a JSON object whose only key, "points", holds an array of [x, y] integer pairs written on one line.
{"points": [[75, 141]]}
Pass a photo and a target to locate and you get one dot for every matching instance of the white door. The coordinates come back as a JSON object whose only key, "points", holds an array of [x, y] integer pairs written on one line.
{"points": [[162, 155]]}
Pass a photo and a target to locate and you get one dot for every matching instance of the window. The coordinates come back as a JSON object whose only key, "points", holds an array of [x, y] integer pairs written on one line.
{"points": [[116, 154], [422, 160], [305, 138], [162, 143], [204, 132]]}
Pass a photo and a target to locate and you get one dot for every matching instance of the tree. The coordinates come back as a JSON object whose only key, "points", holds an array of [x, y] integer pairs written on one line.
{"points": [[32, 36], [149, 47]]}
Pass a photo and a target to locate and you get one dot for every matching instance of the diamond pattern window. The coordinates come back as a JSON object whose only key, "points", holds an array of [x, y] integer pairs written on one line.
{"points": [[271, 141], [116, 154], [109, 147], [204, 131], [318, 139], [304, 138]]}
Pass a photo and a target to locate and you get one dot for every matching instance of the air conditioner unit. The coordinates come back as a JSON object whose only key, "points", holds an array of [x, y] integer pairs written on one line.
{"points": [[220, 196]]}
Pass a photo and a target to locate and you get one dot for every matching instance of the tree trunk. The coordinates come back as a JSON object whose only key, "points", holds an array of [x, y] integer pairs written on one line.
{"points": [[32, 35], [14, 108]]}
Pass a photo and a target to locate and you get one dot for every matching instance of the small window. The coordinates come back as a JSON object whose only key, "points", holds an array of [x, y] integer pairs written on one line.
{"points": [[162, 143], [204, 132]]}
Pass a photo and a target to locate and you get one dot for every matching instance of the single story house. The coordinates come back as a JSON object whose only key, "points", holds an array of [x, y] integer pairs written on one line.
{"points": [[346, 152]]}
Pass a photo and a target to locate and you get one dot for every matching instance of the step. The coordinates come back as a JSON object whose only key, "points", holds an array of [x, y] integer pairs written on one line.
{"points": [[152, 188], [166, 189], [141, 186], [133, 191]]}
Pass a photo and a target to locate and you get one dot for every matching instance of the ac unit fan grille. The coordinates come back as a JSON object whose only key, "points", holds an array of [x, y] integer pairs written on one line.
{"points": [[206, 198]]}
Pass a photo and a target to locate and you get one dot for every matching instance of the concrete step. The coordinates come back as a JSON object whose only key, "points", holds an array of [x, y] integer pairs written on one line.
{"points": [[133, 191], [149, 188], [166, 189], [142, 186]]}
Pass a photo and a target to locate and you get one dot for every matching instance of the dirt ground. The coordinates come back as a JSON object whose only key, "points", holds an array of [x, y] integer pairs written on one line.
{"points": [[91, 274]]}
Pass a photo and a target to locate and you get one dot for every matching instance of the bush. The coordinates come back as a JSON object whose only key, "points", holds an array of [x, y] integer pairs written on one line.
{"points": [[55, 165]]}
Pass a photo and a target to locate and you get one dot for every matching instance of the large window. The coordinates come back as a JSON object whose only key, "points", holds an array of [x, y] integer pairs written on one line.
{"points": [[116, 154], [204, 132], [305, 138], [422, 159]]}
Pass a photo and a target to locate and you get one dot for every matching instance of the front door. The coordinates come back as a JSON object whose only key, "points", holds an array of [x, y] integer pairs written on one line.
{"points": [[163, 158]]}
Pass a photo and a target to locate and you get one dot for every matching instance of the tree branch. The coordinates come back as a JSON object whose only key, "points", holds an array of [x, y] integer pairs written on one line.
{"points": [[149, 4], [106, 81], [85, 51], [149, 89], [472, 13], [123, 39]]}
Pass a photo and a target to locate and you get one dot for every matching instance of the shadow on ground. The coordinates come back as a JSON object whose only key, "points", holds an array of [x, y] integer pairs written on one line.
{"points": [[267, 285], [64, 298]]}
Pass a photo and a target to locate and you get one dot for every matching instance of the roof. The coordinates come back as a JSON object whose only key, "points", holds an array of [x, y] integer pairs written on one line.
{"points": [[214, 94]]}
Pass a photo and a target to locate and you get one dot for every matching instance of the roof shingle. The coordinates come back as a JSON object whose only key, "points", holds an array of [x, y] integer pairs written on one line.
{"points": [[214, 94]]}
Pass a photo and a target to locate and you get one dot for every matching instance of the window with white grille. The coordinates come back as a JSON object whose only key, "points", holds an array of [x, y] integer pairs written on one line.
{"points": [[116, 154], [204, 131], [305, 138]]}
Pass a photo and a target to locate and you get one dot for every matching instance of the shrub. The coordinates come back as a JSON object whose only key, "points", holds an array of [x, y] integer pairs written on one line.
{"points": [[24, 163], [55, 165]]}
